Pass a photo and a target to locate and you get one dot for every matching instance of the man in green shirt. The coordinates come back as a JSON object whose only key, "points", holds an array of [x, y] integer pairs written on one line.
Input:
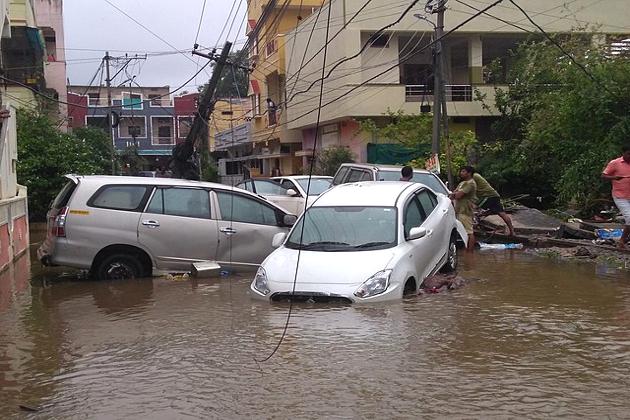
{"points": [[465, 197], [490, 200]]}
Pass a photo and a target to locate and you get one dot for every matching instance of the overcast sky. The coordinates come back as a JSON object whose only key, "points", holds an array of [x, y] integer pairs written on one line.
{"points": [[95, 25]]}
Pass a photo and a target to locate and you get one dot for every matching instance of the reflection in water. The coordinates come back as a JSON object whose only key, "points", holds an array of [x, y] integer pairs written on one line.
{"points": [[529, 337]]}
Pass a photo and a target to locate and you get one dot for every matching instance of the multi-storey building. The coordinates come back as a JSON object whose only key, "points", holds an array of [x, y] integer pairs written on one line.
{"points": [[145, 117], [272, 144], [394, 71]]}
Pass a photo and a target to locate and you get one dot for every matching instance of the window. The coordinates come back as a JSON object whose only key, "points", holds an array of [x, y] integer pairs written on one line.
{"points": [[255, 104], [381, 41], [132, 101], [318, 185], [184, 126], [64, 195], [184, 202], [268, 187], [288, 185], [341, 175], [239, 208], [155, 100], [413, 216], [130, 127], [359, 175], [245, 185], [427, 201], [119, 197], [94, 98], [97, 122]]}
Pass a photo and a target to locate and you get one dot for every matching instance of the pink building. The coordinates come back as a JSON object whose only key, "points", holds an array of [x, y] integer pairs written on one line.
{"points": [[49, 18]]}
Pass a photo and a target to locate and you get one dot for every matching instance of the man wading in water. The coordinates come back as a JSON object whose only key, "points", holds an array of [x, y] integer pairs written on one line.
{"points": [[618, 171], [465, 196]]}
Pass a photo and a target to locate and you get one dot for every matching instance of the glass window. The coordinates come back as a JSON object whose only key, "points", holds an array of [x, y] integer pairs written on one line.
{"points": [[64, 195], [340, 175], [184, 202], [132, 101], [413, 216], [345, 228], [269, 187], [318, 185], [240, 208], [425, 178], [119, 197], [426, 202], [286, 184], [358, 175]]}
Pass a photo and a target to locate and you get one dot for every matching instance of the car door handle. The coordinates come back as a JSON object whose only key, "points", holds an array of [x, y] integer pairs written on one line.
{"points": [[151, 223], [228, 231]]}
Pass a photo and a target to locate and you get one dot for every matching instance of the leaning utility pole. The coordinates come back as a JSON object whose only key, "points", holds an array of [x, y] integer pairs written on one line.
{"points": [[183, 160], [110, 120]]}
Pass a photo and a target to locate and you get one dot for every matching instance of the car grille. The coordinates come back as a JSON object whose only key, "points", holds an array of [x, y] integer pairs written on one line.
{"points": [[315, 297]]}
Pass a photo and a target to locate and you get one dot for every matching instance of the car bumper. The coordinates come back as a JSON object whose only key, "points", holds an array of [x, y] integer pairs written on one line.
{"points": [[324, 292]]}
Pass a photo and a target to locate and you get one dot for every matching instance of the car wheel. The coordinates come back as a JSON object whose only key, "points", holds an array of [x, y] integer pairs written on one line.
{"points": [[451, 256], [119, 267]]}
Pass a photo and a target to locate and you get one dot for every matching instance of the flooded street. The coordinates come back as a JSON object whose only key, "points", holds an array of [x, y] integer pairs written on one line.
{"points": [[529, 337]]}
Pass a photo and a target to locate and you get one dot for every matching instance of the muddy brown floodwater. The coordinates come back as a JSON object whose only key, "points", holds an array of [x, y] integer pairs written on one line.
{"points": [[531, 337]]}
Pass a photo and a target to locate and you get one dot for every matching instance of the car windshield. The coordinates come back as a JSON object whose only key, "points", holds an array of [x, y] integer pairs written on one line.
{"points": [[318, 185], [269, 187], [345, 228], [425, 178]]}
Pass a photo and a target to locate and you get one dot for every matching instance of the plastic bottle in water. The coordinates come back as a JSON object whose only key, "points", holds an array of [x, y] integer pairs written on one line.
{"points": [[483, 245]]}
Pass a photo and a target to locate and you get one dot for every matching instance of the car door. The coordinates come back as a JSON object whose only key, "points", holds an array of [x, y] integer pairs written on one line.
{"points": [[247, 226], [295, 203], [437, 224], [420, 250], [177, 227]]}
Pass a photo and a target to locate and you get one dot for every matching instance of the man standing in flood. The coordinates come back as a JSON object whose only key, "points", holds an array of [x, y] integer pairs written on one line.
{"points": [[618, 171], [465, 197], [490, 200]]}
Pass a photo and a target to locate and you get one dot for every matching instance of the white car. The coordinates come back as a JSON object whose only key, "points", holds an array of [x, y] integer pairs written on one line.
{"points": [[289, 192], [363, 242]]}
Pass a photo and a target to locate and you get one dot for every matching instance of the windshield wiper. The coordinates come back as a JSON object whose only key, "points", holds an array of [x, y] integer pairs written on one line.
{"points": [[372, 244], [322, 244]]}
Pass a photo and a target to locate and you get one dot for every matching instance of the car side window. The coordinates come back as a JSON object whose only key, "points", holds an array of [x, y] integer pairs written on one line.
{"points": [[286, 184], [119, 197], [269, 187], [183, 202], [340, 176], [427, 201], [357, 175], [239, 208], [413, 216]]}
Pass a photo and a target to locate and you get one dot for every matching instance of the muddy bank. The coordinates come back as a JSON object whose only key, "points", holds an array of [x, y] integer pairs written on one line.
{"points": [[592, 254]]}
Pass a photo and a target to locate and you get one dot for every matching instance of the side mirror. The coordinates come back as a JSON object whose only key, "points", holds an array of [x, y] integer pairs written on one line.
{"points": [[278, 239], [417, 233], [289, 219], [292, 193]]}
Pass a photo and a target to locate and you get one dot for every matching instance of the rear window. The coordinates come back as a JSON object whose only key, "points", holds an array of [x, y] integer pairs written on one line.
{"points": [[427, 179], [119, 197], [64, 195], [341, 173]]}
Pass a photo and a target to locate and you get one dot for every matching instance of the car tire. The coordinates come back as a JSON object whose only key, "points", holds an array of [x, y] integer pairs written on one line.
{"points": [[451, 257], [119, 267]]}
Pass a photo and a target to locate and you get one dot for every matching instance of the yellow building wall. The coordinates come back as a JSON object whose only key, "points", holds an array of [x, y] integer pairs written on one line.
{"points": [[241, 111], [22, 13]]}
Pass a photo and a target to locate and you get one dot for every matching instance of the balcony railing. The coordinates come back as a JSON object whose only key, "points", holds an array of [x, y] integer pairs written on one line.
{"points": [[453, 93], [163, 141]]}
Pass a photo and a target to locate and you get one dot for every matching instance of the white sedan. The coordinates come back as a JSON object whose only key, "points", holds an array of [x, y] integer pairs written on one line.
{"points": [[362, 242], [289, 192]]}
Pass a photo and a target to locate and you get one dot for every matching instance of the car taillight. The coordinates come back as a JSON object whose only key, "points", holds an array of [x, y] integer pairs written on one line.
{"points": [[59, 223]]}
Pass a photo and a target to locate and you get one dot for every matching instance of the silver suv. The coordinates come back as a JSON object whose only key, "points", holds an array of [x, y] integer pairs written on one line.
{"points": [[124, 227], [356, 172]]}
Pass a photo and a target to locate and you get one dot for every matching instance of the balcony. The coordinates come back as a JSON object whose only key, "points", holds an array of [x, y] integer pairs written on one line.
{"points": [[453, 93], [236, 136]]}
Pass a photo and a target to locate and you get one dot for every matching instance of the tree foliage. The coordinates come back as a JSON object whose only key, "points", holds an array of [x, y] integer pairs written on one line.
{"points": [[45, 155], [560, 125], [234, 80], [331, 158]]}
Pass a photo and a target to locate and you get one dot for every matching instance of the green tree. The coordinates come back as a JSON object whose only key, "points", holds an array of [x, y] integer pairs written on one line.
{"points": [[330, 159], [45, 155], [560, 125], [131, 161], [234, 80]]}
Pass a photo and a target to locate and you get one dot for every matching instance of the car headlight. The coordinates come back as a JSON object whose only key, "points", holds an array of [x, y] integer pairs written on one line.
{"points": [[260, 281], [375, 285]]}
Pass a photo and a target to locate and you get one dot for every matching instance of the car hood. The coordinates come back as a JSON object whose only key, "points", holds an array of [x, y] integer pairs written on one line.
{"points": [[326, 267]]}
